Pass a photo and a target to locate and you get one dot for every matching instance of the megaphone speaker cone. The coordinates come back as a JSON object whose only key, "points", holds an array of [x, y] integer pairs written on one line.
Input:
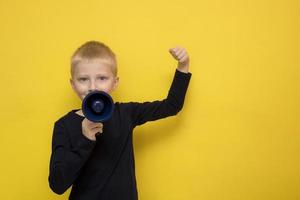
{"points": [[98, 106]]}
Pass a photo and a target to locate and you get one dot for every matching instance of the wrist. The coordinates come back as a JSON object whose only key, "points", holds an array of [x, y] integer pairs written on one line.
{"points": [[183, 68]]}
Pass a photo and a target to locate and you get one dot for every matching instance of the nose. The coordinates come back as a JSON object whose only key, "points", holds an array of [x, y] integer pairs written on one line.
{"points": [[92, 86]]}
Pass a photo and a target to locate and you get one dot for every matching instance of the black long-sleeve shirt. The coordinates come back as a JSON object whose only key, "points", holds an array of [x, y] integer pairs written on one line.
{"points": [[104, 169]]}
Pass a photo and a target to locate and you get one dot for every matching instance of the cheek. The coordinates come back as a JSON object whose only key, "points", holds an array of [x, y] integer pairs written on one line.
{"points": [[111, 85], [108, 87], [80, 88]]}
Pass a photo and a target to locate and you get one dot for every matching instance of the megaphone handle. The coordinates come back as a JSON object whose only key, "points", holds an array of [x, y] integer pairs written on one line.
{"points": [[98, 134]]}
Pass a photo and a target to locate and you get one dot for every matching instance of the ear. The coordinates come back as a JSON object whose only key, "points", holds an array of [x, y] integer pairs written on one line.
{"points": [[116, 83], [72, 83]]}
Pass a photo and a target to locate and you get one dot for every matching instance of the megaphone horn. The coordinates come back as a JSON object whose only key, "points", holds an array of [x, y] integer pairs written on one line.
{"points": [[97, 106]]}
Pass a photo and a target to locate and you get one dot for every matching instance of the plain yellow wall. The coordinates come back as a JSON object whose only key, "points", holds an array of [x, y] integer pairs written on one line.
{"points": [[238, 136]]}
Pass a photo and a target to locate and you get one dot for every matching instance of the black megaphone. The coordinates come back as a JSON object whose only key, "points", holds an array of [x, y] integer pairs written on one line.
{"points": [[97, 106]]}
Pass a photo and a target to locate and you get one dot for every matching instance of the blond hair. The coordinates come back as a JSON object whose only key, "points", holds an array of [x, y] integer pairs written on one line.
{"points": [[94, 50]]}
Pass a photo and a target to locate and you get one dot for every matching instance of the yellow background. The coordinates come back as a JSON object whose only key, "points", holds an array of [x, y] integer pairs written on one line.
{"points": [[238, 136]]}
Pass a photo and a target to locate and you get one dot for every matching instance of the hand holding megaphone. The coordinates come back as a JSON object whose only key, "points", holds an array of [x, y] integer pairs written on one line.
{"points": [[97, 107], [91, 129]]}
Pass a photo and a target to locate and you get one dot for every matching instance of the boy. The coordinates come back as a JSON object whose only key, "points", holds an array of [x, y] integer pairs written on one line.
{"points": [[102, 166]]}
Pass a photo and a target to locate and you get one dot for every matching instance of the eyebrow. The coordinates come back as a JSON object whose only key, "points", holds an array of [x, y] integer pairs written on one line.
{"points": [[85, 75], [101, 74]]}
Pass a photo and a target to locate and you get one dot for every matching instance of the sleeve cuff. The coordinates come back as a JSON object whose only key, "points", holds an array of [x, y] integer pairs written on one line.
{"points": [[85, 143], [179, 73]]}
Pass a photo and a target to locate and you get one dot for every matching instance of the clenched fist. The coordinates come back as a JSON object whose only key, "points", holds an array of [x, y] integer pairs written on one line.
{"points": [[181, 55]]}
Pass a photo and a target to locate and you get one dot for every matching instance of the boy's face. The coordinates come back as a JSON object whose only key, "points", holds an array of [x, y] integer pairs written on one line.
{"points": [[93, 75]]}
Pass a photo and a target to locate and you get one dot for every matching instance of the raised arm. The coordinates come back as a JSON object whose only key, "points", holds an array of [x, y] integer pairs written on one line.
{"points": [[150, 111]]}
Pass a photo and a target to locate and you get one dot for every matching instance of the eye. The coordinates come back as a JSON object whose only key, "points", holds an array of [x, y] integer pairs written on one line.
{"points": [[82, 79], [102, 78]]}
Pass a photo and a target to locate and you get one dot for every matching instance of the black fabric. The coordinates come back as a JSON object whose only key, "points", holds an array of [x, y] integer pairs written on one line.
{"points": [[104, 169]]}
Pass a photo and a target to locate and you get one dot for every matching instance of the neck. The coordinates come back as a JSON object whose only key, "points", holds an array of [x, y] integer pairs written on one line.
{"points": [[79, 112]]}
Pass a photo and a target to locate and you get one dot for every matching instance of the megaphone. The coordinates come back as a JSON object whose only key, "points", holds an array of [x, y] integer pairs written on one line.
{"points": [[97, 106]]}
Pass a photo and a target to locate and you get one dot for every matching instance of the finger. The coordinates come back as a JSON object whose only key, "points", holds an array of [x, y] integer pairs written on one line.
{"points": [[96, 130], [174, 49], [175, 54], [177, 50], [181, 53], [181, 50], [184, 58], [92, 126], [88, 122], [96, 125]]}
